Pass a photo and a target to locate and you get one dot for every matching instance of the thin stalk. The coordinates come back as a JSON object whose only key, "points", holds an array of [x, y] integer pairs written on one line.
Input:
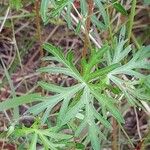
{"points": [[76, 21], [39, 33], [5, 18], [137, 124], [126, 135], [13, 65], [87, 28], [38, 26], [110, 28], [18, 52], [18, 16], [114, 122], [135, 41], [131, 20], [114, 134], [116, 131], [13, 93]]}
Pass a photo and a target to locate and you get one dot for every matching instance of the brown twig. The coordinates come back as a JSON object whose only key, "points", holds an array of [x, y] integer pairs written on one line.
{"points": [[87, 28], [38, 27], [114, 134], [39, 33]]}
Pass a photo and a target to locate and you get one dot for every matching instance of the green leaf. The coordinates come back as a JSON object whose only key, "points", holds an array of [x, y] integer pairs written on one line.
{"points": [[19, 132], [16, 4], [10, 130], [120, 52], [80, 146], [55, 51], [69, 92], [38, 108], [56, 136], [59, 5], [68, 18], [78, 28], [109, 103], [120, 8], [52, 87], [99, 24], [83, 6], [47, 143], [55, 70], [47, 112], [147, 2], [96, 57], [14, 102], [139, 61], [82, 125], [103, 71], [63, 110], [93, 134], [60, 56], [33, 142], [72, 112], [122, 33], [44, 9], [78, 102], [50, 102], [70, 57], [101, 118], [102, 11], [50, 58]]}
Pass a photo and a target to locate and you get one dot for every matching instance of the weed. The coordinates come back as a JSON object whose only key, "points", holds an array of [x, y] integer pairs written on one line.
{"points": [[109, 73]]}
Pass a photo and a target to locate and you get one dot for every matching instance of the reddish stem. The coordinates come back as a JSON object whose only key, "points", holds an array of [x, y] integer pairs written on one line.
{"points": [[87, 28]]}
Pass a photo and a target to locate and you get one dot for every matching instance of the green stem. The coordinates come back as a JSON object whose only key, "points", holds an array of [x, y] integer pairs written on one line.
{"points": [[131, 20], [135, 41], [18, 16], [126, 135], [13, 93]]}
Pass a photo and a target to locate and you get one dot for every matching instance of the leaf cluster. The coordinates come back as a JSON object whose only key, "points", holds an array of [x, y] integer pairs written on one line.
{"points": [[96, 80]]}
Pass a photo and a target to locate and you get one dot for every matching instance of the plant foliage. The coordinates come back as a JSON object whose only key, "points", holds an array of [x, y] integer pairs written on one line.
{"points": [[109, 72], [78, 100]]}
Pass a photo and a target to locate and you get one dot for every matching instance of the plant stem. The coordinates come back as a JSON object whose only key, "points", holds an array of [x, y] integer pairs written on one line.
{"points": [[126, 135], [110, 29], [18, 54], [131, 20], [135, 41], [37, 19], [87, 28], [114, 135], [13, 93]]}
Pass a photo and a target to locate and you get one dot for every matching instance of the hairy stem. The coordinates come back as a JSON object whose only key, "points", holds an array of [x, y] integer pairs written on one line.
{"points": [[38, 27], [87, 28], [114, 135]]}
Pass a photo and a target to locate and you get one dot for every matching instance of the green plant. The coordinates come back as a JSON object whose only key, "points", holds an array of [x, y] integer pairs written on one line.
{"points": [[37, 134], [108, 75], [17, 4], [94, 85]]}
